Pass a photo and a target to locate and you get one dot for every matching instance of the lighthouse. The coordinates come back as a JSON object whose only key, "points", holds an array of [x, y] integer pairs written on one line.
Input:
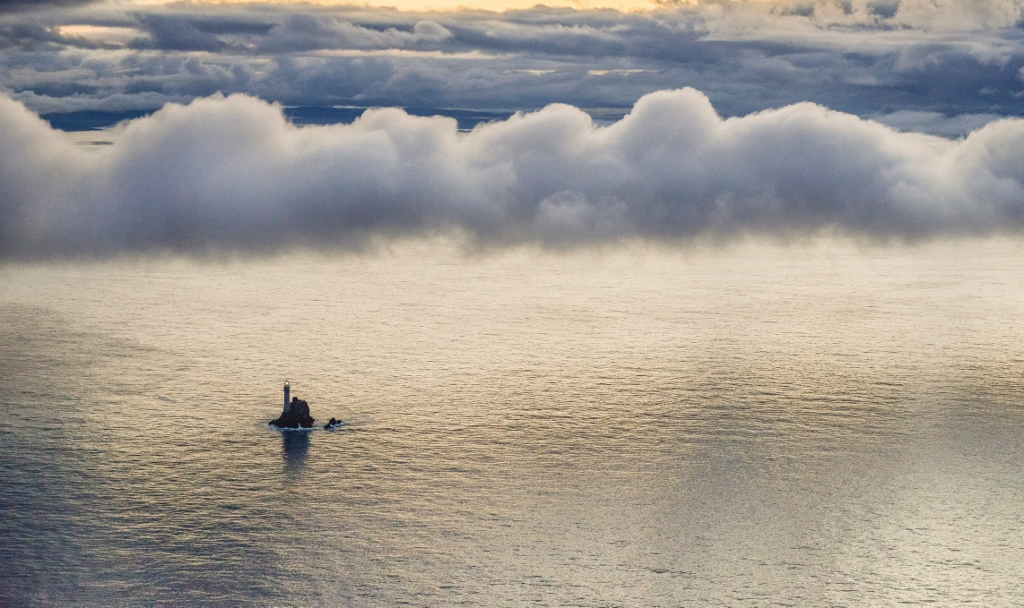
{"points": [[295, 414]]}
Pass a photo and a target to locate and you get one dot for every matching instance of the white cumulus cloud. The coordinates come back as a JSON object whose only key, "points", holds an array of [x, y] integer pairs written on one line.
{"points": [[231, 174]]}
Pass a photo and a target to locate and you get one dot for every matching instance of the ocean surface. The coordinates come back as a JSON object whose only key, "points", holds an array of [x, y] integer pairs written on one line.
{"points": [[820, 424]]}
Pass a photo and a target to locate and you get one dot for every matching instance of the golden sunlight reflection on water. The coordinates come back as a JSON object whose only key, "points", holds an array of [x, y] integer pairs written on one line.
{"points": [[758, 425]]}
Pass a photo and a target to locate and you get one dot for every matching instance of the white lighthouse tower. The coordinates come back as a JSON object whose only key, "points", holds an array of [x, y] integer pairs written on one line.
{"points": [[287, 398]]}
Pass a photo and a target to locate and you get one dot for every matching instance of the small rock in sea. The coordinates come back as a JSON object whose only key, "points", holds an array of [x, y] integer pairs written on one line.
{"points": [[295, 417]]}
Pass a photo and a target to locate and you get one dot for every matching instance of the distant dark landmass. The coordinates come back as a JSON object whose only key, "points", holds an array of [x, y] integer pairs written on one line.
{"points": [[90, 120], [312, 115]]}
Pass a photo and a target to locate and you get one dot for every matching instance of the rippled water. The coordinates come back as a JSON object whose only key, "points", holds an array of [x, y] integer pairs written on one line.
{"points": [[757, 426]]}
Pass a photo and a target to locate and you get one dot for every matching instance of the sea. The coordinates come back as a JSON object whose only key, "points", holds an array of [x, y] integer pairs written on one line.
{"points": [[816, 423]]}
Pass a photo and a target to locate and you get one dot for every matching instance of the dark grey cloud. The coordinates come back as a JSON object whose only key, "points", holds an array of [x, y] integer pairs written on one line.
{"points": [[30, 36], [13, 6], [231, 174], [296, 33], [175, 33], [886, 9]]}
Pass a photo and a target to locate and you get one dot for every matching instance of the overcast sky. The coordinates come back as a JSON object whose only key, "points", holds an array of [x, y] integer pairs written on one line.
{"points": [[920, 61], [726, 141]]}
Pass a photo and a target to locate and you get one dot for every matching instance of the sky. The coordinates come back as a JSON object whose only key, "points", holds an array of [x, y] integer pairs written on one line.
{"points": [[888, 120]]}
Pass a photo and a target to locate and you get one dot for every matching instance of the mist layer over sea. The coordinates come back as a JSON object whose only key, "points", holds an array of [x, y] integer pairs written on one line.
{"points": [[814, 425]]}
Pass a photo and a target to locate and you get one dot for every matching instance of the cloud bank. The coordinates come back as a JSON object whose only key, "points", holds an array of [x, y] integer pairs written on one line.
{"points": [[231, 174]]}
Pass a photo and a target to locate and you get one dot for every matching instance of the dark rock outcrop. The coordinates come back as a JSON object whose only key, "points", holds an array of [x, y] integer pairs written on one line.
{"points": [[333, 424], [297, 416]]}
